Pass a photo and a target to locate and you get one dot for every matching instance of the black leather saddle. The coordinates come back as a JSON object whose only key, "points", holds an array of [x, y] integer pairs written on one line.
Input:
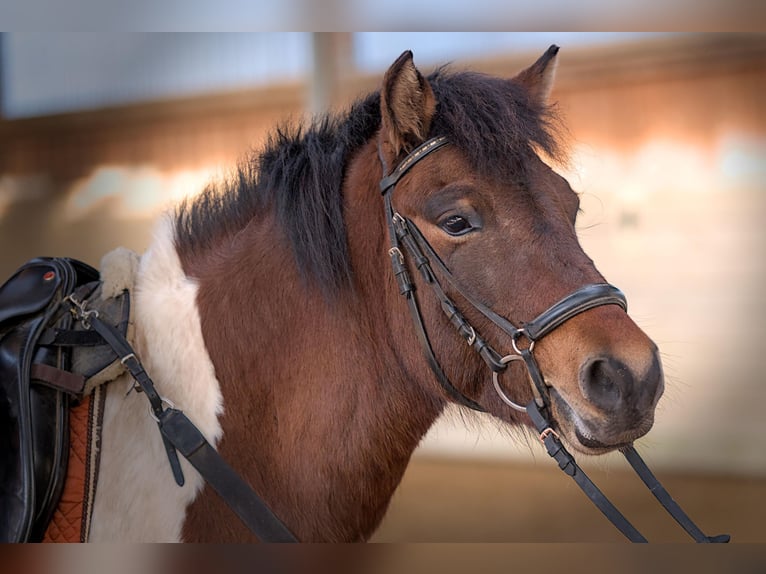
{"points": [[34, 414]]}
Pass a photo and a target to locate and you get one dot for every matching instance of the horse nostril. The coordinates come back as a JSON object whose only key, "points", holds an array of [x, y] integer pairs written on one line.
{"points": [[605, 382]]}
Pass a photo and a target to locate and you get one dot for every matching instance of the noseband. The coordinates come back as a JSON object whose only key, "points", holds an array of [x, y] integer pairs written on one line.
{"points": [[406, 238]]}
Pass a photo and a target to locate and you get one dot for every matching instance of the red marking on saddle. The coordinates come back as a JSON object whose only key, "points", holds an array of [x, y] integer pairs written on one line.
{"points": [[67, 522], [48, 276]]}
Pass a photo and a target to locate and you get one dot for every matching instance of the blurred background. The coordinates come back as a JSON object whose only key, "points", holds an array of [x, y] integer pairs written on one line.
{"points": [[100, 132]]}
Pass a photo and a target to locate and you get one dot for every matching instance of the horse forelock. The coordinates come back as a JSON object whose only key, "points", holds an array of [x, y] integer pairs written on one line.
{"points": [[299, 173], [495, 123]]}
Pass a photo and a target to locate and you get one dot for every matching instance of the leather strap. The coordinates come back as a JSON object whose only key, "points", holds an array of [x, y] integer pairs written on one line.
{"points": [[249, 507], [573, 304], [425, 345], [70, 338], [60, 379], [407, 288], [179, 433], [663, 496], [412, 158], [570, 467], [128, 358], [502, 323], [585, 298]]}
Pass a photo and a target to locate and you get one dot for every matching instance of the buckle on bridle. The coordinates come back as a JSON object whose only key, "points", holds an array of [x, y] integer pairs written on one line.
{"points": [[472, 339], [548, 432], [398, 252]]}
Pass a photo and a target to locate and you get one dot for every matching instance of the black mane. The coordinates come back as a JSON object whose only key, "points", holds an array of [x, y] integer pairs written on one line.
{"points": [[300, 171]]}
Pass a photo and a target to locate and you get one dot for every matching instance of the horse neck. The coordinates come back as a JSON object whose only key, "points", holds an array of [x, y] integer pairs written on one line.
{"points": [[320, 411]]}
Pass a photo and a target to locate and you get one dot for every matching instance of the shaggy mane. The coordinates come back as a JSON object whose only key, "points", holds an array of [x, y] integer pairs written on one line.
{"points": [[300, 171]]}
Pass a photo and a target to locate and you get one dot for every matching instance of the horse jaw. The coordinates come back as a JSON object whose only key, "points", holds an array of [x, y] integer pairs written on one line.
{"points": [[137, 499]]}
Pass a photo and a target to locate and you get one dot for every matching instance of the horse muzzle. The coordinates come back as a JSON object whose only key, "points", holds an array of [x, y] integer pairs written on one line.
{"points": [[615, 405]]}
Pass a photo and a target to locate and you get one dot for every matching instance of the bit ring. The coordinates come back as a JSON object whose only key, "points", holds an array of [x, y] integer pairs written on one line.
{"points": [[496, 382]]}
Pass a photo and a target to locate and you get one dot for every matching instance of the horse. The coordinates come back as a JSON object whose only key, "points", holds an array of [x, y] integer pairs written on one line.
{"points": [[276, 310]]}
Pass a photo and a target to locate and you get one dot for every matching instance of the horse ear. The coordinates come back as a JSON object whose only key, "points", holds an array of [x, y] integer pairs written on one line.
{"points": [[407, 105], [538, 78]]}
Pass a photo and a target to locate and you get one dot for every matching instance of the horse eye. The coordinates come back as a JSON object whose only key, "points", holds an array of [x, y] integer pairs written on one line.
{"points": [[456, 225]]}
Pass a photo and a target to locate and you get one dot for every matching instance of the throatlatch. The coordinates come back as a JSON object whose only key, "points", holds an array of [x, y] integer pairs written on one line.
{"points": [[406, 238]]}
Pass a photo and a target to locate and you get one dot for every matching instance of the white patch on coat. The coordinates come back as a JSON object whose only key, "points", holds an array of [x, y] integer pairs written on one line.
{"points": [[137, 498]]}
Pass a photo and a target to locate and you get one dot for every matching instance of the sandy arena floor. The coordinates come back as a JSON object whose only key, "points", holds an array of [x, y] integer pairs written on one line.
{"points": [[453, 501]]}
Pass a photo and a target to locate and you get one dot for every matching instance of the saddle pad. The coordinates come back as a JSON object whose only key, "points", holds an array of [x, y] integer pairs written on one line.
{"points": [[71, 519]]}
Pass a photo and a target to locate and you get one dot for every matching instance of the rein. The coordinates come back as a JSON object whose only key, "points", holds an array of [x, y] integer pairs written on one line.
{"points": [[405, 237]]}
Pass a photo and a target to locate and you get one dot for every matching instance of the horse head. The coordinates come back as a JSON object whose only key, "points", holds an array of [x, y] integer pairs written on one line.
{"points": [[502, 222]]}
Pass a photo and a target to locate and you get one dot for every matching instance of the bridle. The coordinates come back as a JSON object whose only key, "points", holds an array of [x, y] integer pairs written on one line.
{"points": [[405, 236], [407, 242]]}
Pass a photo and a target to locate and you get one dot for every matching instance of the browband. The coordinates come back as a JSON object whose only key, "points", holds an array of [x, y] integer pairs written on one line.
{"points": [[414, 157]]}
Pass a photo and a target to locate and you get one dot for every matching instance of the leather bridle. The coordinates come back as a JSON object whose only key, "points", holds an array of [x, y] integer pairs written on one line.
{"points": [[406, 241]]}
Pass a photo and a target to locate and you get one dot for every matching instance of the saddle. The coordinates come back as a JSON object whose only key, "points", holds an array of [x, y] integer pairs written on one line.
{"points": [[63, 333], [47, 360]]}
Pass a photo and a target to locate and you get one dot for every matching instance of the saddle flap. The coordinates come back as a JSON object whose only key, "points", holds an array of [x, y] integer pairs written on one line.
{"points": [[33, 286], [29, 290], [33, 418]]}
